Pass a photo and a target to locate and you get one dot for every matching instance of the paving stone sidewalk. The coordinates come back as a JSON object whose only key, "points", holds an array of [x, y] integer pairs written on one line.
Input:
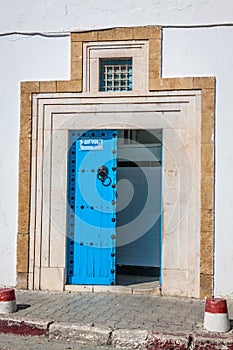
{"points": [[113, 310], [114, 315]]}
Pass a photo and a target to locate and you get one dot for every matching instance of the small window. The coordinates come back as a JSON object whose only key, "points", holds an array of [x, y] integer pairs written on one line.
{"points": [[116, 74]]}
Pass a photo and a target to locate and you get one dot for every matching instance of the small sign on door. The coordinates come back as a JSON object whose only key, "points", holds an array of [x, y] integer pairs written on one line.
{"points": [[91, 145]]}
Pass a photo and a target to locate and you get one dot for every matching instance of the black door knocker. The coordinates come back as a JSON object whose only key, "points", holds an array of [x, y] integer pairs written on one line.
{"points": [[102, 175]]}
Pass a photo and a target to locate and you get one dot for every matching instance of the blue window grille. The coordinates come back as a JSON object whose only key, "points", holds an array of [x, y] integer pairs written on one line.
{"points": [[116, 74]]}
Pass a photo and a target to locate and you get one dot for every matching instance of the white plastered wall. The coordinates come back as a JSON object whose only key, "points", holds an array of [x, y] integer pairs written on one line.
{"points": [[186, 52], [208, 52], [53, 15], [21, 58]]}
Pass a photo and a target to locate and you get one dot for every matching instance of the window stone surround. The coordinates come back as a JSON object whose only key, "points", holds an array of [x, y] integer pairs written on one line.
{"points": [[94, 51]]}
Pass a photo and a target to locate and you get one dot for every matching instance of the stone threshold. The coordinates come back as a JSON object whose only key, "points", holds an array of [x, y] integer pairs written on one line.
{"points": [[150, 288]]}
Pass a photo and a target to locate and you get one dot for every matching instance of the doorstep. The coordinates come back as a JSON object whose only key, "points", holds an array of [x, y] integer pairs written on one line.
{"points": [[143, 288]]}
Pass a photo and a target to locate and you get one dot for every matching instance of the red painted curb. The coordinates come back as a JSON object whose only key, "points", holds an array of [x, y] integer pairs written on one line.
{"points": [[7, 294], [214, 343], [21, 328], [179, 341], [216, 306]]}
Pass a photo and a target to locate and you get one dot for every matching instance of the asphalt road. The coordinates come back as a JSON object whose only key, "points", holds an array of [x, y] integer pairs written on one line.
{"points": [[14, 342]]}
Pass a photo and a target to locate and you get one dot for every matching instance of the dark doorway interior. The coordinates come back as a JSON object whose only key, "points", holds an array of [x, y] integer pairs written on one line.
{"points": [[139, 206]]}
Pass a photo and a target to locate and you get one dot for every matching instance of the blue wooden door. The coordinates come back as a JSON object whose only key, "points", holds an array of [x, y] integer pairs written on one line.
{"points": [[92, 207]]}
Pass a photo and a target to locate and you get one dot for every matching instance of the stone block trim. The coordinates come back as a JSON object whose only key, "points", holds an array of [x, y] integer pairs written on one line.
{"points": [[69, 86], [152, 34], [22, 249], [156, 83]]}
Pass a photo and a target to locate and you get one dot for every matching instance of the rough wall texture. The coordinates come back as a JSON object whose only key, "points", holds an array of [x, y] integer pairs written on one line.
{"points": [[72, 15]]}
